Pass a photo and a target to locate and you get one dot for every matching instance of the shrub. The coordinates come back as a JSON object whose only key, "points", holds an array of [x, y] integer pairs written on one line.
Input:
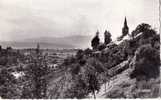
{"points": [[7, 85], [69, 60], [88, 52], [147, 62], [79, 54], [101, 47]]}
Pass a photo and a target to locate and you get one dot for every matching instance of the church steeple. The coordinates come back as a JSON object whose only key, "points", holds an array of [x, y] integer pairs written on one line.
{"points": [[38, 48], [125, 22], [125, 29]]}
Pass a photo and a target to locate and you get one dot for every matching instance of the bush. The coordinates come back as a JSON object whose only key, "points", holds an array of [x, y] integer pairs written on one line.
{"points": [[79, 54], [96, 65], [69, 60], [101, 47], [78, 89], [147, 62], [88, 52]]}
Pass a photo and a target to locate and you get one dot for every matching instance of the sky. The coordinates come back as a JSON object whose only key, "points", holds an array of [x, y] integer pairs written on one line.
{"points": [[21, 19]]}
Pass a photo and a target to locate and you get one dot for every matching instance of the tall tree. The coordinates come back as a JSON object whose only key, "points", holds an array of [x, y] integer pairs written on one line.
{"points": [[107, 36], [95, 41], [0, 47], [93, 84]]}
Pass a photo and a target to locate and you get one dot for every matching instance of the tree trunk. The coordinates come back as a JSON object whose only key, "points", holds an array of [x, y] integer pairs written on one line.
{"points": [[94, 94], [105, 87]]}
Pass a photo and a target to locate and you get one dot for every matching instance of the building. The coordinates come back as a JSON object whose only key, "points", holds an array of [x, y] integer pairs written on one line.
{"points": [[125, 29]]}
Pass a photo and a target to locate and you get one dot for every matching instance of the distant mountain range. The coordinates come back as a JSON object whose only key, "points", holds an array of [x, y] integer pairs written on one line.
{"points": [[77, 41]]}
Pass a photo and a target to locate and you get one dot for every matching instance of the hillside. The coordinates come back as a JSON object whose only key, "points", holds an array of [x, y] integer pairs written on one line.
{"points": [[128, 69]]}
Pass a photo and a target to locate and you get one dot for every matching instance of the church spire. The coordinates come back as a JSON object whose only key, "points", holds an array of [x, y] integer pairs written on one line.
{"points": [[125, 29], [38, 48], [125, 22]]}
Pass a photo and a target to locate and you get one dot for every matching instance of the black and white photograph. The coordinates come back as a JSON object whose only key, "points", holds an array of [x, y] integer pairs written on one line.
{"points": [[80, 49]]}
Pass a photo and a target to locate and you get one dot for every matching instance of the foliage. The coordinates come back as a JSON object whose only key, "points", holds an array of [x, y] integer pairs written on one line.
{"points": [[95, 41], [3, 60], [88, 52], [35, 78], [78, 89], [107, 36], [95, 65], [79, 54], [101, 47], [140, 28], [8, 87], [146, 63], [69, 60], [84, 78], [93, 84], [74, 69], [155, 41], [114, 54]]}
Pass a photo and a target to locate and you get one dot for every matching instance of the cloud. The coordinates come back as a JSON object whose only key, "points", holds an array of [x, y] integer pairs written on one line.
{"points": [[38, 18]]}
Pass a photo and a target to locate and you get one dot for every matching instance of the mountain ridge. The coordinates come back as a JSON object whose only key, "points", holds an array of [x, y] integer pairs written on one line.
{"points": [[74, 41]]}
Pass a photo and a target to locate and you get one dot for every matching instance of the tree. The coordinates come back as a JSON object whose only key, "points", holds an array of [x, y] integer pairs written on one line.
{"points": [[93, 84], [79, 54], [95, 41], [146, 63], [101, 46], [140, 28], [88, 52], [0, 47], [155, 41], [107, 36], [92, 69]]}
